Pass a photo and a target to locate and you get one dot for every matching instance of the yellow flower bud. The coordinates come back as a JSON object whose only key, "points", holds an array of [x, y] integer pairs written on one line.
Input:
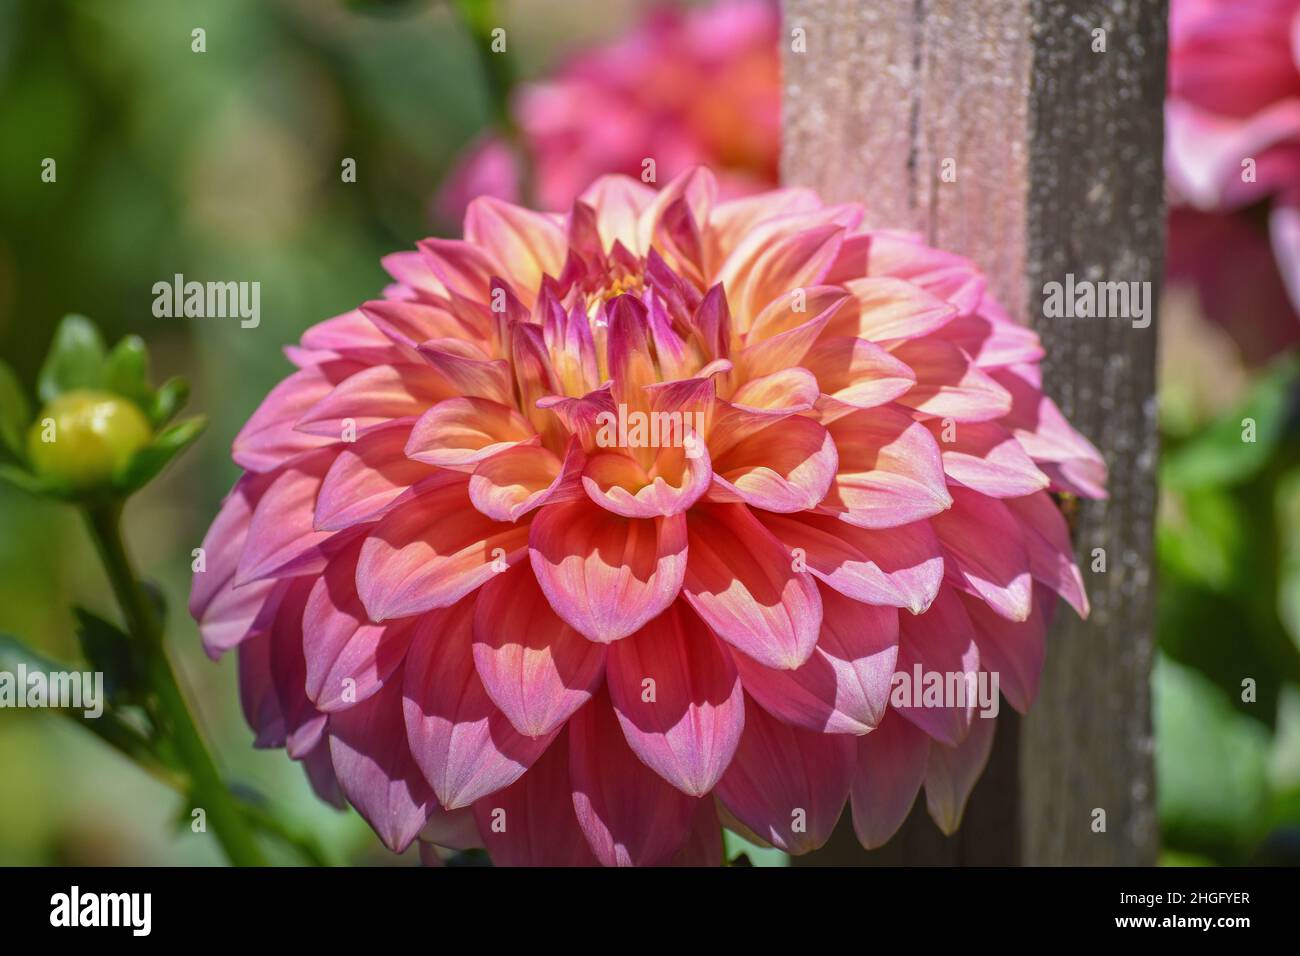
{"points": [[82, 437]]}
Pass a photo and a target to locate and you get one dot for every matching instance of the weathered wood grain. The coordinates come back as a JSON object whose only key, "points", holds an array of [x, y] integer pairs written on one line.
{"points": [[1057, 153]]}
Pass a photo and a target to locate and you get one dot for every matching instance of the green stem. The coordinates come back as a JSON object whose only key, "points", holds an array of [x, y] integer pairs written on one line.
{"points": [[168, 708]]}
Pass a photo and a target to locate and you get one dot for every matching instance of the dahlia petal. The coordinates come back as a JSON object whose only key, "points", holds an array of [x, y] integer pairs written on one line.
{"points": [[788, 348], [303, 723], [225, 613], [513, 482], [1015, 651], [465, 747], [677, 479], [730, 222], [951, 774], [987, 458], [376, 769], [281, 532], [628, 814], [535, 667], [788, 390], [857, 373], [703, 848], [618, 202], [460, 432], [939, 642], [374, 397], [898, 567], [257, 695], [890, 470], [775, 259], [843, 688], [776, 464], [948, 385], [452, 829], [1051, 552], [887, 309], [604, 574], [268, 439], [348, 659], [788, 785], [368, 477], [950, 277], [695, 190], [319, 769], [350, 332], [527, 244], [992, 338], [431, 551], [532, 822], [891, 766], [678, 699], [470, 376], [740, 580], [987, 553], [1069, 459], [462, 267], [406, 324]]}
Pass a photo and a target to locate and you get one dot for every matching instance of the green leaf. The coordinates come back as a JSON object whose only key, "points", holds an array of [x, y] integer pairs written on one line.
{"points": [[14, 651], [126, 372], [111, 650], [75, 359], [15, 413], [1242, 443], [145, 464], [168, 400], [24, 480]]}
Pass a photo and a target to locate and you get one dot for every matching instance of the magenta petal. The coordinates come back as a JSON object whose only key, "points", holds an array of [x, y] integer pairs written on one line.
{"points": [[741, 581], [376, 770], [629, 815], [535, 667], [281, 532], [678, 699], [844, 687], [952, 772], [899, 567], [532, 822], [368, 477], [891, 766], [463, 744], [348, 657], [1051, 552], [788, 786], [1014, 651], [942, 642], [986, 550]]}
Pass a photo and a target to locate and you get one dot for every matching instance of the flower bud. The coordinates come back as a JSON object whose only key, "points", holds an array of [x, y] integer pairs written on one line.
{"points": [[82, 437]]}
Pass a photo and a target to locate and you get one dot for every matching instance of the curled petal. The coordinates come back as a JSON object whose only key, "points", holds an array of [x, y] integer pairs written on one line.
{"points": [[368, 477], [986, 551], [460, 432], [604, 574]]}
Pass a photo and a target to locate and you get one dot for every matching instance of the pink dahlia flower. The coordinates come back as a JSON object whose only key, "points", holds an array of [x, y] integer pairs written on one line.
{"points": [[608, 528], [1232, 142], [683, 88]]}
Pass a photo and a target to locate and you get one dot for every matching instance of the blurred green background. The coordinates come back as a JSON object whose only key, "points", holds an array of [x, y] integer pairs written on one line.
{"points": [[225, 165]]}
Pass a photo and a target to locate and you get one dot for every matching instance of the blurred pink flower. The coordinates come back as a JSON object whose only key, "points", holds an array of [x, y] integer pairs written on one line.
{"points": [[492, 618], [683, 88], [1232, 142]]}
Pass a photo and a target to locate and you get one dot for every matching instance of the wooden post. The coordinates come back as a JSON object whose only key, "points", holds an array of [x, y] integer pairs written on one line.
{"points": [[1057, 146]]}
